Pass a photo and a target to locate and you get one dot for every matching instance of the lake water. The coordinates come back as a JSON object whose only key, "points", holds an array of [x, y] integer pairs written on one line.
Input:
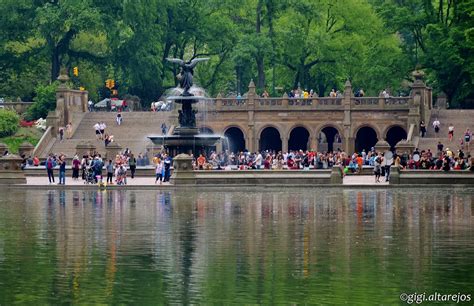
{"points": [[312, 245]]}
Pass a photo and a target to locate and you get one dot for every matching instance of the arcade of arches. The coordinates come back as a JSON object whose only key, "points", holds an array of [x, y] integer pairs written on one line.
{"points": [[327, 138]]}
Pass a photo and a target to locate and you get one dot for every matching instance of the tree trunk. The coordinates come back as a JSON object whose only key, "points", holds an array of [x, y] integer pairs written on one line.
{"points": [[55, 64]]}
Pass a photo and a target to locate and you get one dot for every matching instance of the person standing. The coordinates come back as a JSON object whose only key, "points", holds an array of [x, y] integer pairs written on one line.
{"points": [[75, 167], [167, 165], [90, 105], [118, 119], [69, 130], [258, 160], [467, 138], [163, 128], [436, 125], [61, 134], [50, 164], [451, 132], [422, 128], [159, 171], [97, 130], [377, 169], [132, 163], [62, 170], [102, 130], [110, 172]]}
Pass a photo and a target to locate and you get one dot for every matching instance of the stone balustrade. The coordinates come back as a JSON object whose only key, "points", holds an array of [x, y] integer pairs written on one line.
{"points": [[316, 103], [19, 107]]}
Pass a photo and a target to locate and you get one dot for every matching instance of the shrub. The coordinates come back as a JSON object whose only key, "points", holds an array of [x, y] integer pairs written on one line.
{"points": [[9, 121], [45, 101]]}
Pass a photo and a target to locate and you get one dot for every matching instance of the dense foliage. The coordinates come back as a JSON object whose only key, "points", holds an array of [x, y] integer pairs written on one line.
{"points": [[44, 101], [9, 122], [316, 44]]}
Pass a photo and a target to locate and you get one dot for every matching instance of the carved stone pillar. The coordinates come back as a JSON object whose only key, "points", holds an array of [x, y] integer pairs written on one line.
{"points": [[284, 144]]}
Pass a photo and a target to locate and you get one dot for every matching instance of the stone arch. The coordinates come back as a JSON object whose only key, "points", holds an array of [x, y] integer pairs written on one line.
{"points": [[278, 128], [366, 136], [270, 138], [235, 139], [394, 133], [299, 137], [367, 125], [327, 138], [205, 130]]}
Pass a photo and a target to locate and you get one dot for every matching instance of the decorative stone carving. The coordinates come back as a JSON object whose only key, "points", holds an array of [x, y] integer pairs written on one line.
{"points": [[183, 173], [10, 170]]}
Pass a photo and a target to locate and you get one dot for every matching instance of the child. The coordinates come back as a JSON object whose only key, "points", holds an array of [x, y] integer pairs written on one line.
{"points": [[159, 171]]}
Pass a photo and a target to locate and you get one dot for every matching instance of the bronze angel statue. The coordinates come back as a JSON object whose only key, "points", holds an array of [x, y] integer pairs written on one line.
{"points": [[187, 71]]}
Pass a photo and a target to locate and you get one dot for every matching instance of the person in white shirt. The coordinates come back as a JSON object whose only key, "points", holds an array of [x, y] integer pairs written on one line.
{"points": [[97, 131], [436, 125], [451, 132], [258, 160], [102, 130]]}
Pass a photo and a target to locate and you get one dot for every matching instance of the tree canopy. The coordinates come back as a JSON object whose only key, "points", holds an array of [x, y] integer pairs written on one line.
{"points": [[314, 44]]}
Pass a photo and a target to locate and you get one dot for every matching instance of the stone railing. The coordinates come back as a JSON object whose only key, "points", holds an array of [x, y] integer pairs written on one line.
{"points": [[269, 101], [43, 142], [19, 107], [314, 103], [380, 102], [329, 101], [366, 101], [234, 102], [397, 101]]}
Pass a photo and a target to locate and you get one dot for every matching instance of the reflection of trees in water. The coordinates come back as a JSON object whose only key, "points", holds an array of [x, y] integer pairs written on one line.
{"points": [[209, 246]]}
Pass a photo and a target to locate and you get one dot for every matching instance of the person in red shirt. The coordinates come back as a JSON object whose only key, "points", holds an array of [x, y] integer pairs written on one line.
{"points": [[360, 162], [201, 160]]}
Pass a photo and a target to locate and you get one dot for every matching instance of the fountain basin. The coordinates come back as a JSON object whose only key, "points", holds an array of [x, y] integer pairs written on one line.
{"points": [[186, 143]]}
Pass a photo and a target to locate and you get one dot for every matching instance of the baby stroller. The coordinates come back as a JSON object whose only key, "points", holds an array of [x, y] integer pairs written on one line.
{"points": [[121, 176], [90, 179]]}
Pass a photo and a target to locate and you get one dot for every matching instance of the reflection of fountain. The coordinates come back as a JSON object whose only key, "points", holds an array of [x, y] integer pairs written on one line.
{"points": [[186, 137]]}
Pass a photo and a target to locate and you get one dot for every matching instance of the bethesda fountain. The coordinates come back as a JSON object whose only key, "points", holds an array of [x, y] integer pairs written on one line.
{"points": [[186, 138]]}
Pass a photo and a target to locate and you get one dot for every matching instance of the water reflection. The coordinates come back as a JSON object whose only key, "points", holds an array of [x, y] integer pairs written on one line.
{"points": [[301, 246]]}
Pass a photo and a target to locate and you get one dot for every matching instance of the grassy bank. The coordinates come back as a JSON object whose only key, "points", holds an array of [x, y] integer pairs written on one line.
{"points": [[30, 134]]}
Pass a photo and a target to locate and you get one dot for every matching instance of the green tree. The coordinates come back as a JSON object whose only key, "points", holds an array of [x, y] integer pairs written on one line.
{"points": [[438, 36], [9, 121], [44, 101]]}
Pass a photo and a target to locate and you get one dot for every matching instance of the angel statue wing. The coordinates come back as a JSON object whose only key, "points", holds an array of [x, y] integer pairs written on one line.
{"points": [[194, 62], [178, 61]]}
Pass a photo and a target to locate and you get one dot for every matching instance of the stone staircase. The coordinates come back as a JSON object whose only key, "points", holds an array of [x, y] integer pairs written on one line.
{"points": [[132, 133], [460, 118]]}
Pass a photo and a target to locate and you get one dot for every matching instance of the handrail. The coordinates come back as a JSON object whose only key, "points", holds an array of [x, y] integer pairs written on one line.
{"points": [[44, 141]]}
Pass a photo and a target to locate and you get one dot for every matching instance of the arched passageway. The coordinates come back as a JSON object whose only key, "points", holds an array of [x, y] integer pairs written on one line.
{"points": [[234, 140], [270, 139], [366, 138], [394, 135], [299, 137], [328, 138]]}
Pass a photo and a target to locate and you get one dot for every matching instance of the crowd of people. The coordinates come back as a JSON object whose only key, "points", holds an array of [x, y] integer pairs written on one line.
{"points": [[92, 168]]}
